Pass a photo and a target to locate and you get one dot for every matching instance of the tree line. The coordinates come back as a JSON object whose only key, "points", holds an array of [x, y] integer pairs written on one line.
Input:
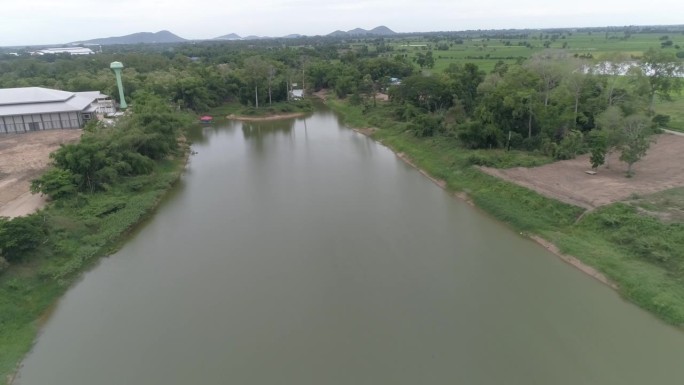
{"points": [[552, 103]]}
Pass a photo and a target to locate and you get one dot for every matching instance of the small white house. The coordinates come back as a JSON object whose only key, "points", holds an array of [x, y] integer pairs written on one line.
{"points": [[297, 94]]}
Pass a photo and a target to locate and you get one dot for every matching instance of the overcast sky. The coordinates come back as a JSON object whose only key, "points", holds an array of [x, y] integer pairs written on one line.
{"points": [[26, 22]]}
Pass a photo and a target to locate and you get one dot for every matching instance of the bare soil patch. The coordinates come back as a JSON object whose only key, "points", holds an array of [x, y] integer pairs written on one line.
{"points": [[322, 94], [23, 157], [381, 97], [566, 180]]}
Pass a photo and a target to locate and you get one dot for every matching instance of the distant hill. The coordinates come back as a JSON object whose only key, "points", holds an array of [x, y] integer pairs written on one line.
{"points": [[338, 33], [136, 38], [377, 31], [230, 36], [381, 30]]}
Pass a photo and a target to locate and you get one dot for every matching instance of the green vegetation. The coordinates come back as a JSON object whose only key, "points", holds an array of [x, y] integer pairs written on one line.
{"points": [[487, 98], [648, 268], [101, 188], [674, 109], [279, 108]]}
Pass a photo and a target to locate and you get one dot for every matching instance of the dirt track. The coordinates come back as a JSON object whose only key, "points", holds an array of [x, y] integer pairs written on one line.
{"points": [[22, 158], [662, 168]]}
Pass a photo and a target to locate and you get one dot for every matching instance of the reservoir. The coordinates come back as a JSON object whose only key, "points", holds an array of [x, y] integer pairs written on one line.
{"points": [[299, 252]]}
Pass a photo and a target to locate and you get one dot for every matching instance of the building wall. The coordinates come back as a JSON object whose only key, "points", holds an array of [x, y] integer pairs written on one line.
{"points": [[39, 122]]}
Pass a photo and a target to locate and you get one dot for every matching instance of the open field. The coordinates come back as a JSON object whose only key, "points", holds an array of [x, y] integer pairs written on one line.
{"points": [[23, 157], [485, 52], [567, 182]]}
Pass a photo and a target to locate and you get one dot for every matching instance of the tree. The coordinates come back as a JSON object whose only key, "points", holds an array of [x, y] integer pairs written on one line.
{"points": [[425, 59], [661, 69], [464, 81], [636, 141], [575, 82], [612, 67], [255, 70], [370, 87], [611, 123], [598, 145], [520, 90], [56, 183], [271, 76], [548, 68], [428, 92]]}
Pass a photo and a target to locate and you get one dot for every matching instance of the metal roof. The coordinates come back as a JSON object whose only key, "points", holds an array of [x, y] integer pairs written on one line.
{"points": [[69, 50], [37, 100], [32, 95]]}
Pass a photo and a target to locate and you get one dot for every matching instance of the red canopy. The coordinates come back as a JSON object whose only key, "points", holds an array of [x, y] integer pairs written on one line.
{"points": [[206, 118]]}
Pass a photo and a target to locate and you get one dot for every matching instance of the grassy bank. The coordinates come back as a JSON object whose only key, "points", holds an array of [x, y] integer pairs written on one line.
{"points": [[80, 230], [649, 269]]}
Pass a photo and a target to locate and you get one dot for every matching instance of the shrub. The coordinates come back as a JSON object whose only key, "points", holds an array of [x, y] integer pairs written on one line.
{"points": [[570, 146], [477, 135], [20, 235], [660, 121], [55, 183]]}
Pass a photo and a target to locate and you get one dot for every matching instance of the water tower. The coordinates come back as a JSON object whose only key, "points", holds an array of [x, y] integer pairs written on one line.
{"points": [[117, 67]]}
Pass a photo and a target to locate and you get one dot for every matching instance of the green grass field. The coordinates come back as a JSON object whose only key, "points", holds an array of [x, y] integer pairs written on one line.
{"points": [[486, 52], [675, 109]]}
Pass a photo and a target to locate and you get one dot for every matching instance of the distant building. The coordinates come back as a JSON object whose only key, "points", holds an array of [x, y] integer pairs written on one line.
{"points": [[297, 94], [69, 50], [36, 109], [395, 81]]}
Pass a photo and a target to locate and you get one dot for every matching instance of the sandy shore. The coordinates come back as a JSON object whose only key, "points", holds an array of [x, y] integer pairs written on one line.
{"points": [[266, 118]]}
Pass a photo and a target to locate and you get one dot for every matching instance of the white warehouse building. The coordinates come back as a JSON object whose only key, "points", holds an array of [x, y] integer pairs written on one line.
{"points": [[69, 50], [35, 109]]}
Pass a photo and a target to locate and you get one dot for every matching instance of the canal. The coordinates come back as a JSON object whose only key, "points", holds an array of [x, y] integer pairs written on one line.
{"points": [[299, 252]]}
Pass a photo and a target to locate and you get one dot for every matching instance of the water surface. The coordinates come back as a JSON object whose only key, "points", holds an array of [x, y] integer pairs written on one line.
{"points": [[299, 252]]}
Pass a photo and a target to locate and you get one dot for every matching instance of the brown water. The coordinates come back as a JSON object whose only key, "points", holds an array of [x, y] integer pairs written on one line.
{"points": [[299, 252]]}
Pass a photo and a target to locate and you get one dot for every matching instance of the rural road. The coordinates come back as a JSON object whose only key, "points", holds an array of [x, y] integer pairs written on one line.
{"points": [[673, 132]]}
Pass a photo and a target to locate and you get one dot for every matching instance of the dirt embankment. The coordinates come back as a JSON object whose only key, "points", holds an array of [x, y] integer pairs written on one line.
{"points": [[24, 157]]}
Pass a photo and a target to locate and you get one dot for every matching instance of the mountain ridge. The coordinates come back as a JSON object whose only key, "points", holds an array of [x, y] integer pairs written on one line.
{"points": [[377, 31], [165, 36], [162, 36]]}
